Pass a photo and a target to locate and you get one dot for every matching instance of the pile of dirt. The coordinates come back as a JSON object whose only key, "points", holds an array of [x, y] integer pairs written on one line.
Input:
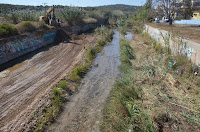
{"points": [[62, 36]]}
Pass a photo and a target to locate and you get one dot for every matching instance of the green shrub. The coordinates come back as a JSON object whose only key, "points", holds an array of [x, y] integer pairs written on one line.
{"points": [[56, 91], [91, 54], [26, 27], [57, 103], [7, 30], [62, 84], [101, 43], [78, 73], [74, 16], [97, 15], [109, 35]]}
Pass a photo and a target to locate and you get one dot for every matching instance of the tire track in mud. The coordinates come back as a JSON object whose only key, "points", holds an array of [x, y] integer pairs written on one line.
{"points": [[84, 110]]}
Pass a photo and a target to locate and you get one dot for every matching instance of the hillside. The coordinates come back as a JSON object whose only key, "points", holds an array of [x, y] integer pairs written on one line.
{"points": [[119, 7], [8, 8]]}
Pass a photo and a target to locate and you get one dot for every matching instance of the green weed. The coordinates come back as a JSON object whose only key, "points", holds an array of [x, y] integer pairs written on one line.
{"points": [[91, 54], [62, 84], [56, 91], [78, 73], [101, 42]]}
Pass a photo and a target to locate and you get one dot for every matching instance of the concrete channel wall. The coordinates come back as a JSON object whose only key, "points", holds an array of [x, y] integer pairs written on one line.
{"points": [[16, 46], [177, 44], [13, 47]]}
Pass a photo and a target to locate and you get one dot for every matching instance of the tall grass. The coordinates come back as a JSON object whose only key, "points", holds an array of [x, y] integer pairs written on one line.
{"points": [[123, 111], [19, 16], [73, 16], [27, 16], [181, 63], [105, 32]]}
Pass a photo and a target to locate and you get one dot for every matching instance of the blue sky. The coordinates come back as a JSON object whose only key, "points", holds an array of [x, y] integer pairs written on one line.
{"points": [[74, 2]]}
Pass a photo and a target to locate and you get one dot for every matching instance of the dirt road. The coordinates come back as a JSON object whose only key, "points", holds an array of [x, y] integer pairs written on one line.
{"points": [[84, 110], [24, 84]]}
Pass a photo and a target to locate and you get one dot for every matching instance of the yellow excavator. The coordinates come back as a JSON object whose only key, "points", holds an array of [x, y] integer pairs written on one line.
{"points": [[50, 18]]}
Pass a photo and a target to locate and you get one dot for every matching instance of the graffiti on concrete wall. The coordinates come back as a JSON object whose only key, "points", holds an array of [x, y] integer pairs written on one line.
{"points": [[27, 44], [187, 51], [178, 45], [49, 36]]}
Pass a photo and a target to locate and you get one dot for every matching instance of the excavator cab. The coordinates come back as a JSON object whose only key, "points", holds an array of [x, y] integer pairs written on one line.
{"points": [[50, 17]]}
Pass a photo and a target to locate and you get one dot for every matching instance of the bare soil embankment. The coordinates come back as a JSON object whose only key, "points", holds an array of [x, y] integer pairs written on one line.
{"points": [[25, 85]]}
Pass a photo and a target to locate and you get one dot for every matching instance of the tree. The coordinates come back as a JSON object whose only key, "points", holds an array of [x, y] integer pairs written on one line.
{"points": [[187, 10], [169, 8]]}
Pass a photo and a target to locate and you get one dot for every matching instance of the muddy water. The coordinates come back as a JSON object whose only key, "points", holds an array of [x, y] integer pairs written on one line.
{"points": [[83, 112]]}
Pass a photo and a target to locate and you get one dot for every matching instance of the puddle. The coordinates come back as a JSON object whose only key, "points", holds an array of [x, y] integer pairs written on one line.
{"points": [[129, 36]]}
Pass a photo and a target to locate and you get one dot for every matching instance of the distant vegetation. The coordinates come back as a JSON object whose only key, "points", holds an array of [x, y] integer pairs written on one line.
{"points": [[121, 7], [73, 16], [114, 15]]}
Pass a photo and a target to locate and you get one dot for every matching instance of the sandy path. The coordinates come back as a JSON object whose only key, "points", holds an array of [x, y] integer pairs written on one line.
{"points": [[84, 110], [31, 78]]}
